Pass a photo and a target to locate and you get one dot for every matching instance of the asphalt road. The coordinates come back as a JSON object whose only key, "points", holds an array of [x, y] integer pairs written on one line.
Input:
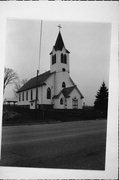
{"points": [[70, 145]]}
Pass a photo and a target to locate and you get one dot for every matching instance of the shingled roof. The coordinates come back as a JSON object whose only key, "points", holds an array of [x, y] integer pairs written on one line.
{"points": [[59, 44], [34, 82], [67, 91]]}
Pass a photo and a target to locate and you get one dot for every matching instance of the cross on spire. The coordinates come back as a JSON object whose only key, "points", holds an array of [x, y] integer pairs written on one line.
{"points": [[59, 26]]}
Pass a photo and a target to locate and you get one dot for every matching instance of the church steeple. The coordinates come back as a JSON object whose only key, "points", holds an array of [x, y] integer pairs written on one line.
{"points": [[59, 55], [59, 44]]}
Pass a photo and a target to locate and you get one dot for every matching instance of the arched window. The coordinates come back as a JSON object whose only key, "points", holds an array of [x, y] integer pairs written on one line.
{"points": [[65, 59], [54, 59], [31, 95], [61, 101], [63, 85], [62, 58], [48, 93]]}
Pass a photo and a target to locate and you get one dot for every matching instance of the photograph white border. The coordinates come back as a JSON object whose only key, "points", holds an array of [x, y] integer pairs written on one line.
{"points": [[68, 11]]}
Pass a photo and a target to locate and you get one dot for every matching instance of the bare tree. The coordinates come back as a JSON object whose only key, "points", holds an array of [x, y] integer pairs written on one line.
{"points": [[10, 77], [23, 81], [18, 84]]}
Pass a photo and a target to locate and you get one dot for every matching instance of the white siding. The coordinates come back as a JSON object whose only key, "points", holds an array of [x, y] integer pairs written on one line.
{"points": [[49, 84], [59, 79], [27, 102], [32, 105], [57, 104], [73, 94], [58, 65]]}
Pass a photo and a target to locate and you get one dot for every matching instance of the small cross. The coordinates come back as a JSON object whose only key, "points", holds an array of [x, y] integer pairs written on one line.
{"points": [[59, 26]]}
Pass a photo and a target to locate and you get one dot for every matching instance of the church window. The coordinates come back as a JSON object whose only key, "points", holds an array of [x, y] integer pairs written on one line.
{"points": [[48, 93], [63, 85], [65, 59], [19, 96], [65, 103], [54, 59], [23, 96], [31, 95], [63, 69], [26, 95], [62, 58], [61, 101]]}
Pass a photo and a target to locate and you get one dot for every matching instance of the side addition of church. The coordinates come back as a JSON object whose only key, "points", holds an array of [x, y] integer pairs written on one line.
{"points": [[54, 88]]}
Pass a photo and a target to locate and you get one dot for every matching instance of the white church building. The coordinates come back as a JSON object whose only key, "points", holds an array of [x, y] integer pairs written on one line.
{"points": [[54, 88]]}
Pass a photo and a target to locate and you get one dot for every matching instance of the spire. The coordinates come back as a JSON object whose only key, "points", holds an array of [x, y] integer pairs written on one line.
{"points": [[59, 44]]}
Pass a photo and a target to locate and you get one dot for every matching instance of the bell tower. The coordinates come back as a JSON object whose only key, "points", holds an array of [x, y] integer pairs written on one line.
{"points": [[59, 56], [59, 63]]}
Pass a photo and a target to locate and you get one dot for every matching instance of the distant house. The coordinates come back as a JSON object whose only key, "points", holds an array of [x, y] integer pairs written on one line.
{"points": [[10, 101], [54, 88]]}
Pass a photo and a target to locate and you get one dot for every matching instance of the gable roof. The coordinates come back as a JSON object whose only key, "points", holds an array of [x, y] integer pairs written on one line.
{"points": [[79, 93], [67, 91], [59, 44], [76, 87], [72, 81], [36, 81]]}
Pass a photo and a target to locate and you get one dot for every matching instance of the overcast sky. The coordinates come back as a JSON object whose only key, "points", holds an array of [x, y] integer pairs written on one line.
{"points": [[88, 43]]}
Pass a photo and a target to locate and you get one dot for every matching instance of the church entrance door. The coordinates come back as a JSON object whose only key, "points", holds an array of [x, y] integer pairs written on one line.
{"points": [[75, 103]]}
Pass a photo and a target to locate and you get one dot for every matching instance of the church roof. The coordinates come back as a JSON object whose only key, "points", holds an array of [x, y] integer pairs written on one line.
{"points": [[59, 44], [67, 91], [34, 82]]}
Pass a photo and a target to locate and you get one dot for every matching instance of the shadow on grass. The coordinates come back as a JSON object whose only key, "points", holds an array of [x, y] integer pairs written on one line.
{"points": [[19, 116]]}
